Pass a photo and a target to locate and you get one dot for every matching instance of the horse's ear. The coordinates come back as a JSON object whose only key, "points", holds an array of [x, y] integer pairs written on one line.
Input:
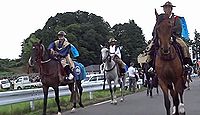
{"points": [[156, 13], [101, 46], [121, 47], [40, 42]]}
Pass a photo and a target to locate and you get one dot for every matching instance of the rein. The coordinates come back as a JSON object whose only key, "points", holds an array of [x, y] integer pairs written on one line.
{"points": [[110, 68], [46, 61], [108, 56], [168, 57], [40, 61]]}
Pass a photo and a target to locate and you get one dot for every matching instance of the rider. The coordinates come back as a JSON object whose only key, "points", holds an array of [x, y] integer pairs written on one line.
{"points": [[116, 55], [176, 34], [61, 48]]}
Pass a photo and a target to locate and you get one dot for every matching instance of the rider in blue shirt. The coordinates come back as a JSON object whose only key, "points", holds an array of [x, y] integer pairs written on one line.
{"points": [[62, 48]]}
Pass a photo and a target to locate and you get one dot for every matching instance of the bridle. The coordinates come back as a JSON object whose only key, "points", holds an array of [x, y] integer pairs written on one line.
{"points": [[166, 53], [41, 54], [108, 58]]}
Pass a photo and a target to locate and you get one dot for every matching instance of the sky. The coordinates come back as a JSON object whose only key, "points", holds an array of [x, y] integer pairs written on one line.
{"points": [[20, 18]]}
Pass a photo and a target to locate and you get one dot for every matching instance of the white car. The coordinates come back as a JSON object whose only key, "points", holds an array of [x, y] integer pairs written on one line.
{"points": [[5, 84], [94, 79]]}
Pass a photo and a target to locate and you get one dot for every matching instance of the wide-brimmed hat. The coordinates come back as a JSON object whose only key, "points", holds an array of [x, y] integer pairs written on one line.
{"points": [[62, 33], [168, 3], [112, 40]]}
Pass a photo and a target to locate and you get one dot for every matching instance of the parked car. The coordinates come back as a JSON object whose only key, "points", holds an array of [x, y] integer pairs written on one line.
{"points": [[5, 84], [94, 79], [23, 82]]}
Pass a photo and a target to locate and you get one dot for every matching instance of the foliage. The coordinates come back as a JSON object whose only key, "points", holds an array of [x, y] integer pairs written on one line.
{"points": [[130, 36], [87, 31], [27, 47], [196, 44]]}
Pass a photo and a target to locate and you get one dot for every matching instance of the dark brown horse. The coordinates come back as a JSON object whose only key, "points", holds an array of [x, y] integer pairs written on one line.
{"points": [[50, 71], [169, 68], [151, 79]]}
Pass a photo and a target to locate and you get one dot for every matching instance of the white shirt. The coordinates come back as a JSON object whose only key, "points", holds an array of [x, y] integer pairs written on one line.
{"points": [[113, 52], [131, 71]]}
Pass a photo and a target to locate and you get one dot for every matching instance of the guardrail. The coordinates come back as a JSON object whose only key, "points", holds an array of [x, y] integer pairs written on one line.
{"points": [[11, 97]]}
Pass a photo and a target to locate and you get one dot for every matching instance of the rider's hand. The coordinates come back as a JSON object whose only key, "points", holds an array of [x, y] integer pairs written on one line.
{"points": [[54, 52]]}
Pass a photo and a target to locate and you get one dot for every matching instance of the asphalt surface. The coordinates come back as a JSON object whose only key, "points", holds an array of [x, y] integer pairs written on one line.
{"points": [[140, 104]]}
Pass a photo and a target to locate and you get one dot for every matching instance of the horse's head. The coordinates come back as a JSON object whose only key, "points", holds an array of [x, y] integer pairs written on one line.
{"points": [[105, 54], [38, 51], [164, 32]]}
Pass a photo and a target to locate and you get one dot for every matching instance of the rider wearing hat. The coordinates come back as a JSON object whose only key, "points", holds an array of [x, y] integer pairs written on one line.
{"points": [[116, 54], [61, 48], [176, 33]]}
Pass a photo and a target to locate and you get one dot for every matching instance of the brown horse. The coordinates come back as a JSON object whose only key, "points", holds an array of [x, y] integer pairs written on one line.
{"points": [[50, 71], [169, 68]]}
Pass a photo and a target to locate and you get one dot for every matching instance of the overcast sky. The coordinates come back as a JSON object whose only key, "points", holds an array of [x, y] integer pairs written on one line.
{"points": [[20, 18]]}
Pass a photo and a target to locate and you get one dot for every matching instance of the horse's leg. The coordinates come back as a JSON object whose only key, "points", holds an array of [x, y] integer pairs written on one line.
{"points": [[111, 91], [114, 94], [56, 89], [151, 88], [166, 96], [157, 90], [73, 96], [45, 91], [188, 81], [121, 88], [180, 90], [175, 99], [114, 90], [148, 87], [80, 92]]}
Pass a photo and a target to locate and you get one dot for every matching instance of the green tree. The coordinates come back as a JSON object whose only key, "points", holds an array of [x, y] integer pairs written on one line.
{"points": [[196, 46], [130, 36], [27, 47], [86, 31]]}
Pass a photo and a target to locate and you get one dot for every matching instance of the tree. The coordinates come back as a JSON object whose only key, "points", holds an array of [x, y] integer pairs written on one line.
{"points": [[130, 36], [196, 45], [27, 48], [86, 31]]}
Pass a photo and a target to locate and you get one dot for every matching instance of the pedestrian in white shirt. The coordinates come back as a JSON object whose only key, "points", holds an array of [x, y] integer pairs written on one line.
{"points": [[132, 77]]}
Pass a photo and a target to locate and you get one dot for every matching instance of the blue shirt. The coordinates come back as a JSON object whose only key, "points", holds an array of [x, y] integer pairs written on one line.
{"points": [[63, 48]]}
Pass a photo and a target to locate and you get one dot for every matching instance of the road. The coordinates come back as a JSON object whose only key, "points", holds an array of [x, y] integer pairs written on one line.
{"points": [[140, 104]]}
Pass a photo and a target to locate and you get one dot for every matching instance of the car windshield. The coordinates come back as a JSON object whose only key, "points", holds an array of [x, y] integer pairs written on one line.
{"points": [[87, 78], [4, 82]]}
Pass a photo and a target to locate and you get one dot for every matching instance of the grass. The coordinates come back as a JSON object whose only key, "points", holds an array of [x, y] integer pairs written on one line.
{"points": [[24, 108]]}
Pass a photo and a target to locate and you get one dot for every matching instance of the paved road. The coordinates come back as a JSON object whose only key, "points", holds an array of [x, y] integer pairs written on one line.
{"points": [[140, 104]]}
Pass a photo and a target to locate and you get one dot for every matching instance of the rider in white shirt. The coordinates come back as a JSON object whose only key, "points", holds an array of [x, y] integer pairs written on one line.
{"points": [[114, 50], [116, 55], [132, 77]]}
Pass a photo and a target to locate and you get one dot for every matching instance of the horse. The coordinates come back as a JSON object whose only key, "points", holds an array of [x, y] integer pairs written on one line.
{"points": [[169, 67], [187, 74], [151, 79], [51, 71], [111, 74]]}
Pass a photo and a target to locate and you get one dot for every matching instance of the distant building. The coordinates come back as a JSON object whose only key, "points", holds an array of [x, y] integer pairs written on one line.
{"points": [[93, 69]]}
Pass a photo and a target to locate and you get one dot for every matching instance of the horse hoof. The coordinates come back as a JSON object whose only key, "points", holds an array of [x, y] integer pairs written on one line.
{"points": [[73, 110], [181, 108], [81, 105], [59, 113], [173, 110], [115, 102], [111, 102]]}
